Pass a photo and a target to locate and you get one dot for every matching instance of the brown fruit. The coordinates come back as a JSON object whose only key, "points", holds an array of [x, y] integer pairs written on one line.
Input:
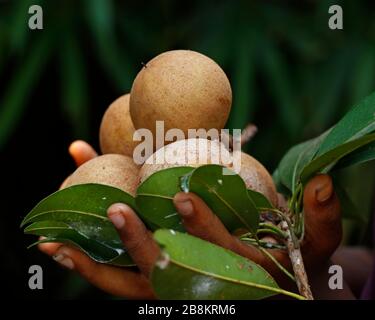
{"points": [[185, 153], [185, 89], [257, 177], [116, 129], [254, 174], [111, 169]]}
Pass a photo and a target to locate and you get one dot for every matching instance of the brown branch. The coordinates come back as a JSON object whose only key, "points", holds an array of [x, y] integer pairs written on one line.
{"points": [[295, 257], [246, 135]]}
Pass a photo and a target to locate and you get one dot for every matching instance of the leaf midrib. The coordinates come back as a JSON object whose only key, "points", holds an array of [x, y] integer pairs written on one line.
{"points": [[226, 204], [231, 280], [60, 211], [154, 195]]}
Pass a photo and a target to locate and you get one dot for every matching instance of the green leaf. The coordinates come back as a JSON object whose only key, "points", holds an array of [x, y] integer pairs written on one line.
{"points": [[56, 231], [359, 121], [191, 268], [331, 157], [292, 164], [84, 209], [154, 198], [225, 193], [314, 155], [259, 199], [280, 187], [361, 155]]}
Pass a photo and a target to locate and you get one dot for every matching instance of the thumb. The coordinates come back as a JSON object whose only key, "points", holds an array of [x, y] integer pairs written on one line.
{"points": [[81, 152], [323, 230]]}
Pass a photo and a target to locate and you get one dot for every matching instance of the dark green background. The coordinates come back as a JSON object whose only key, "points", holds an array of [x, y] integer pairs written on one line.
{"points": [[291, 75]]}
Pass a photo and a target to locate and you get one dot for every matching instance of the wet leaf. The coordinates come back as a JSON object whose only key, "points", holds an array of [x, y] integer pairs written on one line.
{"points": [[84, 209], [56, 231], [225, 193], [155, 198]]}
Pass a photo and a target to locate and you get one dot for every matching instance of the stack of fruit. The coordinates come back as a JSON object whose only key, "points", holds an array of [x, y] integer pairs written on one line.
{"points": [[186, 90]]}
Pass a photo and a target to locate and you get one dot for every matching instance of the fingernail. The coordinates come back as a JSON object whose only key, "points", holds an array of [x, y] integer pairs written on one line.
{"points": [[63, 259], [117, 219], [324, 193], [185, 208]]}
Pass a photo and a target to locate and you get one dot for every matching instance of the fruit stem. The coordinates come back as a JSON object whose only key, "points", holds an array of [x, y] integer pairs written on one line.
{"points": [[295, 257], [264, 244], [268, 227], [246, 135], [272, 258]]}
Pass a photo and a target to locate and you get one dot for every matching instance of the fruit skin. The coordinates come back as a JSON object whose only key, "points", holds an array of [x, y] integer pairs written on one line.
{"points": [[257, 177], [117, 129], [115, 170], [254, 174], [185, 89], [177, 155]]}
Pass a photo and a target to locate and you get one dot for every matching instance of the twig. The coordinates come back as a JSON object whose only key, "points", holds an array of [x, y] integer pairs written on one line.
{"points": [[246, 135], [297, 262]]}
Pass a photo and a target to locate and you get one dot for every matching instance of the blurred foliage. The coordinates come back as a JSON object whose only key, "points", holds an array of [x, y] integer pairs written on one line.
{"points": [[291, 75]]}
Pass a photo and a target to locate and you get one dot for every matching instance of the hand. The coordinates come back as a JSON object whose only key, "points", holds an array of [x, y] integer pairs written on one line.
{"points": [[322, 236]]}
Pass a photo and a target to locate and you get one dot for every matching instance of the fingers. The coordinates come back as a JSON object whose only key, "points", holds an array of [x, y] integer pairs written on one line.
{"points": [[49, 247], [199, 220], [81, 152], [323, 230], [114, 280], [136, 238]]}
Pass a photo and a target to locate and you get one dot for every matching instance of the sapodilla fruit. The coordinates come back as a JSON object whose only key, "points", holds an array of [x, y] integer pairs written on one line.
{"points": [[115, 170], [257, 177], [183, 88], [186, 153], [117, 129]]}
